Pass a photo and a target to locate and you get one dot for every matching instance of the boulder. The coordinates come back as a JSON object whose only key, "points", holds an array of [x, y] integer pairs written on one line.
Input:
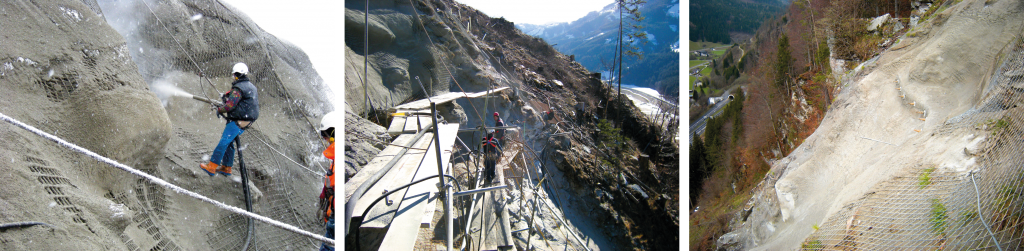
{"points": [[897, 25], [974, 147], [729, 241], [877, 22], [786, 193]]}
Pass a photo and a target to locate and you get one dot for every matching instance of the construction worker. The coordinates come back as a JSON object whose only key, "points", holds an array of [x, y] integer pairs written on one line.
{"points": [[327, 125], [499, 133], [550, 115], [492, 153], [241, 108]]}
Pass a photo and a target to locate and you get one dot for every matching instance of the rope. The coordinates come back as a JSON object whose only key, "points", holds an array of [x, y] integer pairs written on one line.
{"points": [[978, 197], [162, 182], [293, 161]]}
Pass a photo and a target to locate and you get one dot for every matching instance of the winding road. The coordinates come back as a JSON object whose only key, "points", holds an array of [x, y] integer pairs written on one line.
{"points": [[697, 127]]}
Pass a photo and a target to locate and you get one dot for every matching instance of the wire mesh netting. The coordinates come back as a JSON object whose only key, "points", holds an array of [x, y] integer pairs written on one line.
{"points": [[931, 208], [203, 39]]}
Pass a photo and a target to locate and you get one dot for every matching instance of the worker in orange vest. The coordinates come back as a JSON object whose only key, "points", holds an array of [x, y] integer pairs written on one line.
{"points": [[328, 123], [492, 154]]}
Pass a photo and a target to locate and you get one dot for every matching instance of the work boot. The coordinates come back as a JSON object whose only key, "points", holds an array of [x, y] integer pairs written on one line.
{"points": [[210, 168], [225, 170]]}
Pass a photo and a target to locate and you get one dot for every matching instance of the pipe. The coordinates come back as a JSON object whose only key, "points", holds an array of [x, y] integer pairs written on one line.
{"points": [[351, 204], [489, 127], [476, 191], [210, 101], [385, 195], [469, 216], [24, 224], [440, 170]]}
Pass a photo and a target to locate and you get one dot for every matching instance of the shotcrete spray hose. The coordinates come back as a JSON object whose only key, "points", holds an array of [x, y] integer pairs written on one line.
{"points": [[207, 100], [24, 224], [978, 196], [245, 190], [351, 204]]}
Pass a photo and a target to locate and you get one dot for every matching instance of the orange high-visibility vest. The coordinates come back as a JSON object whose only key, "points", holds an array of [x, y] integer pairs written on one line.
{"points": [[329, 153], [329, 183]]}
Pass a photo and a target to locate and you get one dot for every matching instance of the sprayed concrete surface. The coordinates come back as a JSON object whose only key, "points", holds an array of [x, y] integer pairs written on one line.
{"points": [[884, 122], [68, 69]]}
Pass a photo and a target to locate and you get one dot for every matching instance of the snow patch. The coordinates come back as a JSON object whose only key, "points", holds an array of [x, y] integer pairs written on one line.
{"points": [[71, 13], [26, 61], [117, 210], [196, 17]]}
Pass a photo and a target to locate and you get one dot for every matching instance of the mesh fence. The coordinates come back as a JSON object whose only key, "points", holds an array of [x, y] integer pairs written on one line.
{"points": [[203, 38], [930, 208]]}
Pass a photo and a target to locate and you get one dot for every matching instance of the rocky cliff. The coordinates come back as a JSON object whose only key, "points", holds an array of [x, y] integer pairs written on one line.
{"points": [[451, 47], [85, 70], [906, 139]]}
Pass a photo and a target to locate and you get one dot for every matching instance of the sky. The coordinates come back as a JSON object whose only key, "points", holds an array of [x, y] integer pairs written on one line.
{"points": [[313, 25], [537, 11]]}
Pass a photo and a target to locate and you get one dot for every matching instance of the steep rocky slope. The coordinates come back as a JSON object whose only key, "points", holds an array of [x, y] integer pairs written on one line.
{"points": [[460, 49], [67, 69], [921, 104]]}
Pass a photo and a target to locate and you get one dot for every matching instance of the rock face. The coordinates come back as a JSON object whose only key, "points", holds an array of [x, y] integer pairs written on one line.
{"points": [[66, 72], [68, 69], [877, 22], [827, 181], [363, 140], [454, 48], [397, 56]]}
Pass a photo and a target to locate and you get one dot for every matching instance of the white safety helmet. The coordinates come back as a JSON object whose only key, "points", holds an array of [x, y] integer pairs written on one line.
{"points": [[240, 68], [327, 122]]}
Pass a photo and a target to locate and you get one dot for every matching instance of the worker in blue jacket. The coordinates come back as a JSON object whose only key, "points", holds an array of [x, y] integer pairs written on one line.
{"points": [[241, 108]]}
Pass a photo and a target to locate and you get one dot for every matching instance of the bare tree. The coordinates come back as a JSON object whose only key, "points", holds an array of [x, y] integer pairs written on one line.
{"points": [[632, 33]]}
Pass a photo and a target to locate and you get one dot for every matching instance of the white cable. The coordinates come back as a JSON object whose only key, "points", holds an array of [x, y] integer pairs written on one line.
{"points": [[165, 184], [286, 157]]}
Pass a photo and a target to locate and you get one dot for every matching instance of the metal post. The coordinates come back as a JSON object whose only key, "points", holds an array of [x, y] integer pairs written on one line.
{"points": [[366, 56], [481, 190], [440, 171]]}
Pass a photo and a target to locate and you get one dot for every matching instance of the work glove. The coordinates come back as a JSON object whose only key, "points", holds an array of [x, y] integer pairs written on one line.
{"points": [[214, 109]]}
